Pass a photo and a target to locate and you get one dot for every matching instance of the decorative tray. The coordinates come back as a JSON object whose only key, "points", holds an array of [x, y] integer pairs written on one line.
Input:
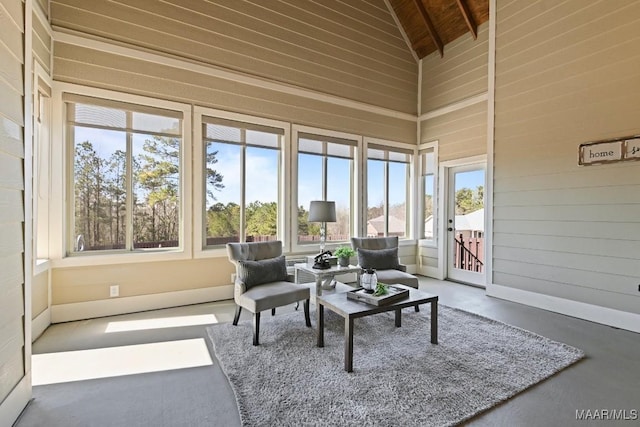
{"points": [[394, 294]]}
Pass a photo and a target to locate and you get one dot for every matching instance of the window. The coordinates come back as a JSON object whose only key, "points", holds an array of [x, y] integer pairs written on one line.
{"points": [[428, 165], [388, 191], [242, 181], [41, 168], [325, 172], [125, 176]]}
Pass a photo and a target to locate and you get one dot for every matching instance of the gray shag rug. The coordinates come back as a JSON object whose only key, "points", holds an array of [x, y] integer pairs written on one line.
{"points": [[399, 378]]}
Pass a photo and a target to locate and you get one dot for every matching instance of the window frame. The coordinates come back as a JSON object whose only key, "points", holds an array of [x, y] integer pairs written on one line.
{"points": [[42, 167], [422, 240], [200, 249], [356, 180], [62, 188], [411, 217]]}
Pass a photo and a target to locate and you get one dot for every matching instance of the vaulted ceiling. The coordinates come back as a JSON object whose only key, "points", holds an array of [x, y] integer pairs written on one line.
{"points": [[431, 24]]}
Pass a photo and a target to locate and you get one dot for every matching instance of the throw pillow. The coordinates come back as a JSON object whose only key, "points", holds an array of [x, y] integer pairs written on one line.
{"points": [[254, 273], [380, 259]]}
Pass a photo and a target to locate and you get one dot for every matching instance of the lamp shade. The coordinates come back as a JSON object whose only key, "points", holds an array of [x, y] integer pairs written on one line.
{"points": [[322, 211]]}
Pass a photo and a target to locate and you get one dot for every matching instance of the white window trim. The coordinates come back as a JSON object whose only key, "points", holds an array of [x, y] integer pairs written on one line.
{"points": [[41, 264], [412, 232], [428, 243], [61, 186], [199, 243], [356, 199]]}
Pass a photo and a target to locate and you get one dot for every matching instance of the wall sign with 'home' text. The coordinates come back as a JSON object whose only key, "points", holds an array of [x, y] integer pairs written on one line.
{"points": [[609, 151]]}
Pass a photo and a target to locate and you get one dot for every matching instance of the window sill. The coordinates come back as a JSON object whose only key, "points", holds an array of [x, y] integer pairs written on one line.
{"points": [[120, 258], [210, 253], [42, 265]]}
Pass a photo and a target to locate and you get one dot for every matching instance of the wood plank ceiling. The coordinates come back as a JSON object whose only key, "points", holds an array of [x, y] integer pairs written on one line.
{"points": [[431, 24]]}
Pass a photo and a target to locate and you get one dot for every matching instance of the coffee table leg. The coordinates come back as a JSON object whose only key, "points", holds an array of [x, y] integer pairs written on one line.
{"points": [[320, 323], [348, 344], [398, 318], [434, 322]]}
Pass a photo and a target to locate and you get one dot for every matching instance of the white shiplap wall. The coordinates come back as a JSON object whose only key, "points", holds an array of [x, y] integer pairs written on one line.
{"points": [[460, 74], [84, 62], [349, 49], [567, 72], [460, 133], [12, 368], [42, 39]]}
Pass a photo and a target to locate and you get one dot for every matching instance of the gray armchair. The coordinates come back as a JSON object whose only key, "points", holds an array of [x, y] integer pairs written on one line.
{"points": [[381, 254], [262, 281]]}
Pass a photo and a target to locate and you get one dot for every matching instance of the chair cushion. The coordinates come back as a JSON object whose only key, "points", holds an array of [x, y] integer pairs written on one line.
{"points": [[272, 295], [393, 277], [379, 259], [254, 273]]}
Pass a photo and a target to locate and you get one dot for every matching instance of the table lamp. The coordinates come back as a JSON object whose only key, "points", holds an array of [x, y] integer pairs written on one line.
{"points": [[322, 211]]}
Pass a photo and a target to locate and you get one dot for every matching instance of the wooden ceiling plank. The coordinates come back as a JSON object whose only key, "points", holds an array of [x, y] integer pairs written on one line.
{"points": [[468, 18], [402, 30], [430, 28]]}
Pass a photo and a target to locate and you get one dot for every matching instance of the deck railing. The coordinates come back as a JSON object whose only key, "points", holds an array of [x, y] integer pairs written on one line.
{"points": [[468, 253]]}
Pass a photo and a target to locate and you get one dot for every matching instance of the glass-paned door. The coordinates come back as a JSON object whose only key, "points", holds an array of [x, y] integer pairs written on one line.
{"points": [[465, 224]]}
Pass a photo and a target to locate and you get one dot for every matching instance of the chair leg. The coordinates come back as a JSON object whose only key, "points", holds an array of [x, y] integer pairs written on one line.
{"points": [[237, 316], [256, 328], [417, 308], [273, 311], [307, 318]]}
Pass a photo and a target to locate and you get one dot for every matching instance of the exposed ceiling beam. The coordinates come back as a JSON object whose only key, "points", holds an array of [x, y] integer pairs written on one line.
{"points": [[432, 30], [468, 18]]}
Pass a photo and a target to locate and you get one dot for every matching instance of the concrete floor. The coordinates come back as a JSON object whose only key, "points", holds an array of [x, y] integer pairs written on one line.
{"points": [[199, 395]]}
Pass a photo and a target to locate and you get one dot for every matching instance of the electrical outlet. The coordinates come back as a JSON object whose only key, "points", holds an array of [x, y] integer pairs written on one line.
{"points": [[114, 291], [233, 277]]}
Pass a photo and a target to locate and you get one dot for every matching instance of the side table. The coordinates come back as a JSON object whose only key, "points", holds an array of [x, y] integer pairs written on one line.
{"points": [[325, 277]]}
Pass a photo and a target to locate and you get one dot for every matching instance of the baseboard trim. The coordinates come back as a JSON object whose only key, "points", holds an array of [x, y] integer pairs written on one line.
{"points": [[109, 307], [40, 323], [603, 315]]}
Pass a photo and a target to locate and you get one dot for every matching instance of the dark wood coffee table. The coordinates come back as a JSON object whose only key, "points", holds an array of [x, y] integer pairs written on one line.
{"points": [[351, 309]]}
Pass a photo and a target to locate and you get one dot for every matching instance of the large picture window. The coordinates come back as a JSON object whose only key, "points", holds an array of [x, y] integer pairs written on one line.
{"points": [[242, 174], [325, 172], [125, 175], [388, 190]]}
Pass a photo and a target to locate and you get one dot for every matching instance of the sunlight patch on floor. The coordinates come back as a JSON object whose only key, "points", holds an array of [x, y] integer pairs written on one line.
{"points": [[67, 366], [161, 323]]}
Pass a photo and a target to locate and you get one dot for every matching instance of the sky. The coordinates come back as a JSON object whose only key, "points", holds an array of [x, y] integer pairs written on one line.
{"points": [[470, 179], [261, 174]]}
